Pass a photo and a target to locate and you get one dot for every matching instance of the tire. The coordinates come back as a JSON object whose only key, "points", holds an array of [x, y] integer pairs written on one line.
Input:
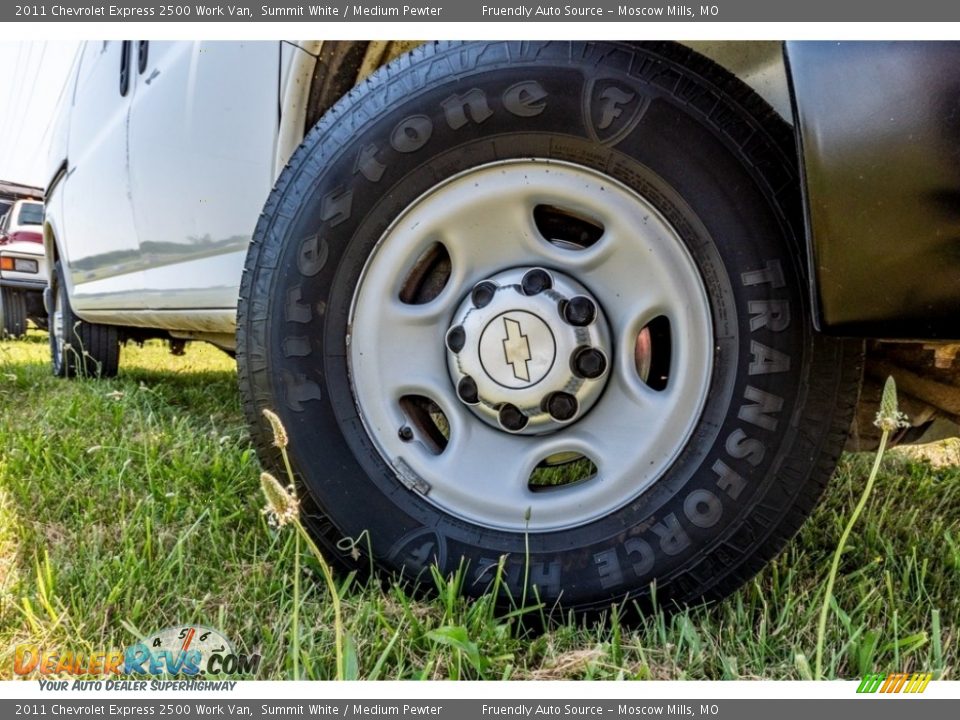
{"points": [[79, 348], [36, 312], [13, 313], [711, 434]]}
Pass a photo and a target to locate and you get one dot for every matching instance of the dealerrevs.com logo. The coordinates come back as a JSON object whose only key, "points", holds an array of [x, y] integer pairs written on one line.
{"points": [[185, 650]]}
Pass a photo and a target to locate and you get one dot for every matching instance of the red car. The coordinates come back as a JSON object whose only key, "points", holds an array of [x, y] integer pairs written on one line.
{"points": [[23, 268], [23, 223]]}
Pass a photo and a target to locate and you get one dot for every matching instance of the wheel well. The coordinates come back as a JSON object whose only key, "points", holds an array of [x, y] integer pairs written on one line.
{"points": [[50, 247], [341, 64]]}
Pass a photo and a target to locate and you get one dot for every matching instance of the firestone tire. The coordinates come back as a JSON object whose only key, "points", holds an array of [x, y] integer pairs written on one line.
{"points": [[79, 348], [13, 314], [684, 148]]}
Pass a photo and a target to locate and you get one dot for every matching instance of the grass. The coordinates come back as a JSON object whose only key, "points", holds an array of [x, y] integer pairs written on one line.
{"points": [[133, 504]]}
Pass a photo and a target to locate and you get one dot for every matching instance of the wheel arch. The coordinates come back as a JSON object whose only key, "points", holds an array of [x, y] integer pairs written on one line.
{"points": [[877, 128], [50, 247], [316, 74], [53, 199]]}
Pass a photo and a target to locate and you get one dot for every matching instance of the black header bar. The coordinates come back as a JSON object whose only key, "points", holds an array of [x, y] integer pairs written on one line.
{"points": [[898, 11]]}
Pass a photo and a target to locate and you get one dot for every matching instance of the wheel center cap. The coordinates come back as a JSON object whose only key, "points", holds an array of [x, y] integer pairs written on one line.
{"points": [[517, 349], [529, 350]]}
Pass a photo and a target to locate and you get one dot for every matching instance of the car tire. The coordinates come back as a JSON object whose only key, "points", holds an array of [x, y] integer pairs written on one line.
{"points": [[457, 203], [79, 348], [13, 313]]}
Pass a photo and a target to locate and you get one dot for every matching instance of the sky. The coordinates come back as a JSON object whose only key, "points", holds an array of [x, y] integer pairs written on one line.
{"points": [[32, 75]]}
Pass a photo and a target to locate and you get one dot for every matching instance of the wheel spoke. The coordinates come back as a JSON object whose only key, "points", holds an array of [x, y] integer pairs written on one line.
{"points": [[495, 230], [487, 468], [406, 352], [632, 423], [629, 274]]}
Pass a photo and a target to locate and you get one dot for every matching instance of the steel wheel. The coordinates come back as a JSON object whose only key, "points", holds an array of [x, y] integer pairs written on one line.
{"points": [[635, 271]]}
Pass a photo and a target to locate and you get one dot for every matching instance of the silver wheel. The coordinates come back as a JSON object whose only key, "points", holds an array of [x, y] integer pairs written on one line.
{"points": [[56, 326], [641, 314]]}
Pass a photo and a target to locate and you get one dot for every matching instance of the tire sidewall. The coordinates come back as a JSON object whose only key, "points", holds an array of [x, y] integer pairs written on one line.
{"points": [[13, 314]]}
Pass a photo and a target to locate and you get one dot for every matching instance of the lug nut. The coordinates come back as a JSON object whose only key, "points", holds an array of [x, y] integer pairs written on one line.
{"points": [[456, 339], [482, 294], [562, 406], [405, 433], [589, 363], [511, 418], [579, 311], [467, 390], [536, 281]]}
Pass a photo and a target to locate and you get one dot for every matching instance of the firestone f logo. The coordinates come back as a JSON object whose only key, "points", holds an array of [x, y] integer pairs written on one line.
{"points": [[611, 109], [516, 349], [611, 99]]}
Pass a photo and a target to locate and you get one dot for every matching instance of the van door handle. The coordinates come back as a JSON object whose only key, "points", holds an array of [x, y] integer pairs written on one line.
{"points": [[124, 68], [143, 47]]}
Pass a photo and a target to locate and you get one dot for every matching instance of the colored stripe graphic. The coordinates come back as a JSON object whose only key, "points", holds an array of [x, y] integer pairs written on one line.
{"points": [[894, 683], [870, 683], [919, 682]]}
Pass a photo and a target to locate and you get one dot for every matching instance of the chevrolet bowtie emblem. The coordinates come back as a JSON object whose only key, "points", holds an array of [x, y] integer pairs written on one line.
{"points": [[516, 349]]}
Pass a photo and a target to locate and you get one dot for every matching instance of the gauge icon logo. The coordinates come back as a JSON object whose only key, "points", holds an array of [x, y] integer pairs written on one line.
{"points": [[188, 650], [186, 638]]}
